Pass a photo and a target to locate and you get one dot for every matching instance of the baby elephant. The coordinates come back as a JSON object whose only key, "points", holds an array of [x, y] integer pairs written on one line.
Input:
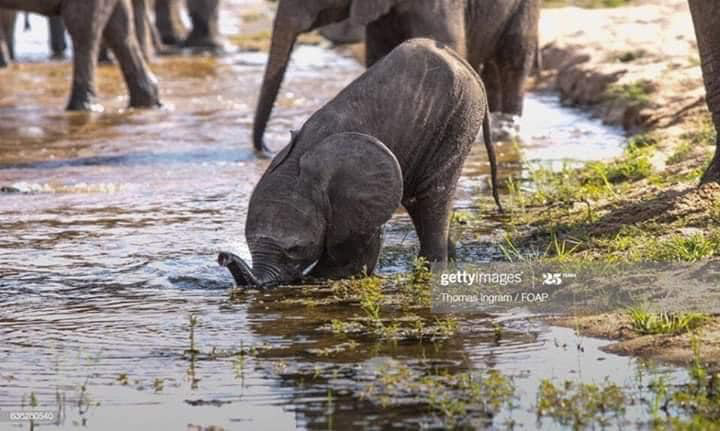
{"points": [[399, 134]]}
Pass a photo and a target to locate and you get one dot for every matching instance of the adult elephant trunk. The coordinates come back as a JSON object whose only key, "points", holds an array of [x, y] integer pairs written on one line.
{"points": [[286, 30], [706, 16]]}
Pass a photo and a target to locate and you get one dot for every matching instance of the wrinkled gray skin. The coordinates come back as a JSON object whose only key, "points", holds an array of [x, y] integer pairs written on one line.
{"points": [[7, 36], [706, 18], [501, 32], [89, 21], [58, 44], [343, 32], [325, 196], [204, 16]]}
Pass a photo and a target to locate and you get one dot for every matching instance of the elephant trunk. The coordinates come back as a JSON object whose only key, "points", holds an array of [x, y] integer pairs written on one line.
{"points": [[283, 39], [263, 275]]}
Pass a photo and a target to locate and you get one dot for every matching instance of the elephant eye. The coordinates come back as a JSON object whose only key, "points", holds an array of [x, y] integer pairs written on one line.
{"points": [[294, 251]]}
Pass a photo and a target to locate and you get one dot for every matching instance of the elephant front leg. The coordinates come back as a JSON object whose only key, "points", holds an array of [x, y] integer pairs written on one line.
{"points": [[169, 22], [85, 25], [57, 36], [7, 37], [120, 37], [359, 256], [143, 29], [493, 84], [4, 52], [205, 18]]}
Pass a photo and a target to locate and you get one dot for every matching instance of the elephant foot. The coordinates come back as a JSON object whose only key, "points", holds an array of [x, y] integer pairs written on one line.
{"points": [[84, 105], [505, 127], [168, 50], [58, 56], [145, 102], [264, 153], [712, 174], [205, 44], [171, 40], [145, 95]]}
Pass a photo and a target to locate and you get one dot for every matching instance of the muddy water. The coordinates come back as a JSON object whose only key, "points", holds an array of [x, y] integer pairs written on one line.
{"points": [[108, 235]]}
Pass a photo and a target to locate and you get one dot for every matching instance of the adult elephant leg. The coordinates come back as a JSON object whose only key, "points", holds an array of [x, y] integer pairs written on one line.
{"points": [[168, 20], [205, 32], [7, 36], [515, 55], [120, 37], [706, 16], [493, 85], [514, 62], [381, 37], [85, 25], [143, 29], [58, 45], [104, 56]]}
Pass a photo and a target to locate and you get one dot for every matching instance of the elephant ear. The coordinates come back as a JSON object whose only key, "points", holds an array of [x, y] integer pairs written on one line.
{"points": [[363, 12], [356, 180]]}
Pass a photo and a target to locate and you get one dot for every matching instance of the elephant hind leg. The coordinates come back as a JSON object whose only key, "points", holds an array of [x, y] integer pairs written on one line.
{"points": [[120, 37], [513, 72], [85, 25], [7, 37], [431, 218], [205, 17], [493, 85], [58, 45]]}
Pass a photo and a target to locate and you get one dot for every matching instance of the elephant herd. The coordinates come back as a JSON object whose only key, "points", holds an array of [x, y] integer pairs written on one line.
{"points": [[123, 27], [451, 61]]}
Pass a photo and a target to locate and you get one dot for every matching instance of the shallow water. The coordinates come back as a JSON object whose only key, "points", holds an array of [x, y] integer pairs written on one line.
{"points": [[109, 241]]}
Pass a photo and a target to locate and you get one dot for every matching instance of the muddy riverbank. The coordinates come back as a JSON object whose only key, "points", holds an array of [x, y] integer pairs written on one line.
{"points": [[636, 66]]}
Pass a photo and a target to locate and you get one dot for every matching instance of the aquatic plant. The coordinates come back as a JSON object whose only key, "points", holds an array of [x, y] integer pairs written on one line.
{"points": [[580, 404], [647, 322]]}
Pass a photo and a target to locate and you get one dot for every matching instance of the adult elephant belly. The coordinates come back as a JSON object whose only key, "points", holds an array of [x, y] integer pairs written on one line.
{"points": [[47, 7]]}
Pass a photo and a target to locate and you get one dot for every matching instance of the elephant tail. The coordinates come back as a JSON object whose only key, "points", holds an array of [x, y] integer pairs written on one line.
{"points": [[27, 21], [490, 147]]}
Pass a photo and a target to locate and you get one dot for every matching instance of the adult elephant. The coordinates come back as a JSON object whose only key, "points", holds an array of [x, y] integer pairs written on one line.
{"points": [[204, 18], [7, 36], [706, 18], [89, 21], [502, 31]]}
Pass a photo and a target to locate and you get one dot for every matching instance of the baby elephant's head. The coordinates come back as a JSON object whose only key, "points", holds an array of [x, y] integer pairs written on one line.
{"points": [[313, 201]]}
